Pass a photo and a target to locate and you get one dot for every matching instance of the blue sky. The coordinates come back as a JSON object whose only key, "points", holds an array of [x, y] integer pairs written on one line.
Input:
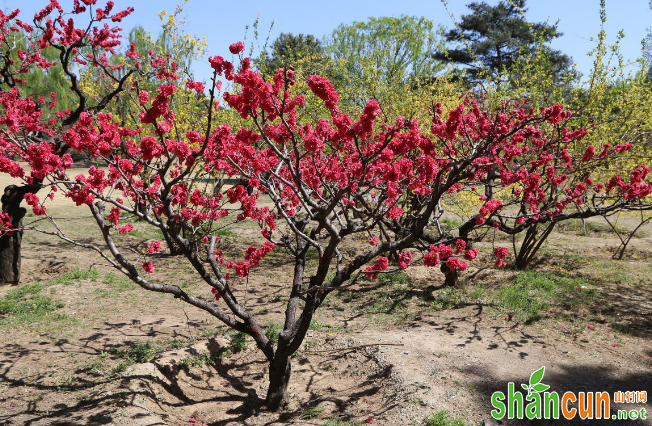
{"points": [[223, 22]]}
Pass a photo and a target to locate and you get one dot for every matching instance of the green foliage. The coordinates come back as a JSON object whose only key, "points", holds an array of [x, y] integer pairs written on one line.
{"points": [[272, 331], [311, 412], [388, 59], [134, 353], [317, 326], [441, 418], [25, 304], [492, 39], [40, 81], [397, 47], [198, 360], [239, 341], [447, 298], [303, 52]]}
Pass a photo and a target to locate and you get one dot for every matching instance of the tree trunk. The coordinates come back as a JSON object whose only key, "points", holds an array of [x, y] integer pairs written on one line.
{"points": [[451, 276], [531, 245], [10, 244], [279, 377]]}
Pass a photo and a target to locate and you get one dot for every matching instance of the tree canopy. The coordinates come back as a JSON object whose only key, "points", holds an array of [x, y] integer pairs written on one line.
{"points": [[491, 39], [302, 51]]}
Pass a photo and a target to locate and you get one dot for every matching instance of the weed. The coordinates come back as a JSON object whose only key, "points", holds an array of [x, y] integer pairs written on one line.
{"points": [[272, 331], [239, 342], [586, 227], [311, 412], [328, 367], [198, 360], [478, 292], [441, 418], [135, 353], [69, 380], [118, 281]]}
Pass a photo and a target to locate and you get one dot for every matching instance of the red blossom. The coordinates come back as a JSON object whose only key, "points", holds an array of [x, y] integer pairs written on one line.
{"points": [[236, 48], [381, 264]]}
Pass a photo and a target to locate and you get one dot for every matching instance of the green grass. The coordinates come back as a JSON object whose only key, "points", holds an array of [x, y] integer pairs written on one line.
{"points": [[133, 353], [441, 418], [317, 326], [117, 284], [591, 227], [536, 291], [74, 277], [618, 272], [311, 412], [146, 232], [447, 298], [384, 299], [25, 304], [198, 360], [450, 224]]}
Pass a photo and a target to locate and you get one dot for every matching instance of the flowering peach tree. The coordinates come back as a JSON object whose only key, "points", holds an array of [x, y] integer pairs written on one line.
{"points": [[309, 186]]}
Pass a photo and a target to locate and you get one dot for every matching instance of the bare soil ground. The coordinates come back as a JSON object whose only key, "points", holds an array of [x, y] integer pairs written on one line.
{"points": [[380, 354]]}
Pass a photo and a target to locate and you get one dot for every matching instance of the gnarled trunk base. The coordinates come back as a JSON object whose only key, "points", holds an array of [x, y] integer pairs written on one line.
{"points": [[279, 377]]}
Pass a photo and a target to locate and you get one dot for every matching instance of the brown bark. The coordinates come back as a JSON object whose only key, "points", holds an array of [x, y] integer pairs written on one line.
{"points": [[279, 377], [10, 243]]}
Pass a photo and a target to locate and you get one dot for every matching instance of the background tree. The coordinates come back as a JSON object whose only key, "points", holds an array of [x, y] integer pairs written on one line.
{"points": [[302, 51], [381, 57], [492, 39]]}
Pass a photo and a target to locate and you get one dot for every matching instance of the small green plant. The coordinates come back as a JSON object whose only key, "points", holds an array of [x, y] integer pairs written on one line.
{"points": [[272, 331], [97, 365], [311, 412], [239, 342], [135, 353], [441, 418], [198, 360]]}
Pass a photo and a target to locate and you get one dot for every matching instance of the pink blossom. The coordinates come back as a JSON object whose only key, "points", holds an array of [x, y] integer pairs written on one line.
{"points": [[236, 48], [154, 247]]}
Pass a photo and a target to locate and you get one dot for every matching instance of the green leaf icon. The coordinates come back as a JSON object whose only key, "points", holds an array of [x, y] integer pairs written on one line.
{"points": [[540, 387], [526, 387], [537, 376]]}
